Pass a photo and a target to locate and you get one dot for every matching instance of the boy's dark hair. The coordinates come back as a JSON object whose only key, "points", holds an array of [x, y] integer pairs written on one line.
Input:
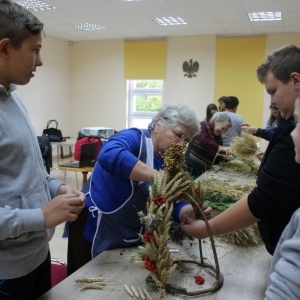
{"points": [[282, 63], [17, 23], [231, 102]]}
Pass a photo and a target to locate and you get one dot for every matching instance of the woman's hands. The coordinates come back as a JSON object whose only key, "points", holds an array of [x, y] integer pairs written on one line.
{"points": [[228, 153]]}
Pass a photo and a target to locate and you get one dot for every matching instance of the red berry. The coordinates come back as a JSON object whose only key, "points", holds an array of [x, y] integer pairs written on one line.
{"points": [[121, 253]]}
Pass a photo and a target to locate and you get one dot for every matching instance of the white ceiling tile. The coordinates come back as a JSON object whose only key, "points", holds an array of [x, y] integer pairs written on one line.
{"points": [[207, 26], [199, 19], [191, 11], [260, 7], [64, 3], [100, 18], [220, 2], [215, 31], [156, 28], [291, 23], [113, 7], [137, 35], [82, 10], [227, 25], [267, 24], [156, 13], [240, 31], [182, 3], [126, 30], [259, 1], [114, 24], [72, 20], [54, 13], [226, 9], [290, 15], [232, 17], [127, 16], [292, 29], [268, 30], [140, 22], [202, 16], [291, 6]]}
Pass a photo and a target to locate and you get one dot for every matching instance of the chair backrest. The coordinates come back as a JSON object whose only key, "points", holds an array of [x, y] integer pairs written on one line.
{"points": [[46, 151], [58, 271]]}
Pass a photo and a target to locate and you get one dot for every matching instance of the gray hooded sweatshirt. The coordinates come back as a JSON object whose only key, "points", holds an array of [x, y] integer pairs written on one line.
{"points": [[24, 189]]}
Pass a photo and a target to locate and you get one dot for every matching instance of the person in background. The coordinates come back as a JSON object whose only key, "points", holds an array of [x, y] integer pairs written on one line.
{"points": [[284, 271], [277, 196], [32, 203], [222, 103], [273, 120], [119, 185], [206, 148], [211, 109], [231, 104], [271, 125]]}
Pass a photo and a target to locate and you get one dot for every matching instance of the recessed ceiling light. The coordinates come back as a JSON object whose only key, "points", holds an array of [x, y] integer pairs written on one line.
{"points": [[265, 16], [169, 21], [88, 26], [35, 5]]}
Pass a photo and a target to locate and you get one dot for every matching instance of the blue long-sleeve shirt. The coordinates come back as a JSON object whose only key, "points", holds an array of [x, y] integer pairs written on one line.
{"points": [[117, 158]]}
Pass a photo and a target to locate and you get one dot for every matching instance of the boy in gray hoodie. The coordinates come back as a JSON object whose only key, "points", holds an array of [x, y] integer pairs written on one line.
{"points": [[32, 203]]}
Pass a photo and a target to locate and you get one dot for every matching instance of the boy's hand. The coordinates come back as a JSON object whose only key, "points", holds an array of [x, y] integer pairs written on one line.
{"points": [[195, 228], [65, 207]]}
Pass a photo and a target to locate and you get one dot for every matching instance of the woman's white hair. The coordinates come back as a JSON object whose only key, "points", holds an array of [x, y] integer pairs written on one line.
{"points": [[222, 118], [174, 114]]}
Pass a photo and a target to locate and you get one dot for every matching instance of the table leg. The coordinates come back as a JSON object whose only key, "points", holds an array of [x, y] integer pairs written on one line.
{"points": [[84, 178]]}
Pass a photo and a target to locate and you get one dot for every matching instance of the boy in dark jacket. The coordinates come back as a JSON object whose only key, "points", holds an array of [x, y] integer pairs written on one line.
{"points": [[277, 195]]}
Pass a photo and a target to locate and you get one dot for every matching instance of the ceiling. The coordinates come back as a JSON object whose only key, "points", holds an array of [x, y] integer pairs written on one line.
{"points": [[132, 20]]}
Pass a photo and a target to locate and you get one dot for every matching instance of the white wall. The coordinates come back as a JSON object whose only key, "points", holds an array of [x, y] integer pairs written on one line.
{"points": [[47, 96], [98, 95], [196, 92], [83, 84]]}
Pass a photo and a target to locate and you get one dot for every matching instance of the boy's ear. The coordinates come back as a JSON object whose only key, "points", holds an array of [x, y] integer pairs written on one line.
{"points": [[4, 47], [295, 77]]}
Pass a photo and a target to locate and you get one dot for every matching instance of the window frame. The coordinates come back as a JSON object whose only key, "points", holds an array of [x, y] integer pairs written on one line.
{"points": [[133, 91]]}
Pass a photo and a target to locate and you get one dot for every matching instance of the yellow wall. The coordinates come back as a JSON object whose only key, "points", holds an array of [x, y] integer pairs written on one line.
{"points": [[236, 62]]}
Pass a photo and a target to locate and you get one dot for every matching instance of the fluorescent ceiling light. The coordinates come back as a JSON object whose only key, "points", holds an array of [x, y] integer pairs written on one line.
{"points": [[35, 5], [169, 21], [88, 26], [265, 16]]}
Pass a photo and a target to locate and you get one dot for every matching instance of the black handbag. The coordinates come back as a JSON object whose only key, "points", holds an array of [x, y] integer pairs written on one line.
{"points": [[53, 134]]}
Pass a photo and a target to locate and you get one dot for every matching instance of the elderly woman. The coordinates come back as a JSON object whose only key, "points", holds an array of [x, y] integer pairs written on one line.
{"points": [[207, 147], [119, 185]]}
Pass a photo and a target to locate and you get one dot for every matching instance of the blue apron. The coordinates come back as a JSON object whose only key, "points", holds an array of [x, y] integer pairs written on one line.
{"points": [[120, 228]]}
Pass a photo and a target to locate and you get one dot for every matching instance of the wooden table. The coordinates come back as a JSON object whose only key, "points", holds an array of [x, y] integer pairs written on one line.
{"points": [[245, 270], [245, 274], [84, 171]]}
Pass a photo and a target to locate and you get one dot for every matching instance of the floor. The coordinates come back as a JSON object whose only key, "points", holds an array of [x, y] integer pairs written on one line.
{"points": [[58, 245]]}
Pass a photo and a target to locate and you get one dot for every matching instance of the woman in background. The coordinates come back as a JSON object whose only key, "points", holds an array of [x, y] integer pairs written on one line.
{"points": [[211, 109], [273, 120], [119, 185], [207, 148]]}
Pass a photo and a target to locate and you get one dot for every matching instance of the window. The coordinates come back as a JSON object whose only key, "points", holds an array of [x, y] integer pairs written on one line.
{"points": [[145, 100]]}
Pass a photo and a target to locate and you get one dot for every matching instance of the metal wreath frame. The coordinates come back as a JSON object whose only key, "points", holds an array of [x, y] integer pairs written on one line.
{"points": [[215, 269]]}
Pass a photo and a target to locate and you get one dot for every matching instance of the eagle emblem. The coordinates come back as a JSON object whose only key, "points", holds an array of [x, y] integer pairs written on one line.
{"points": [[190, 68]]}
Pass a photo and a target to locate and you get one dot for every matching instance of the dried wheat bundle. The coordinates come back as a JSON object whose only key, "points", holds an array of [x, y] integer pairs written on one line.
{"points": [[249, 167], [247, 237], [244, 145], [168, 186]]}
